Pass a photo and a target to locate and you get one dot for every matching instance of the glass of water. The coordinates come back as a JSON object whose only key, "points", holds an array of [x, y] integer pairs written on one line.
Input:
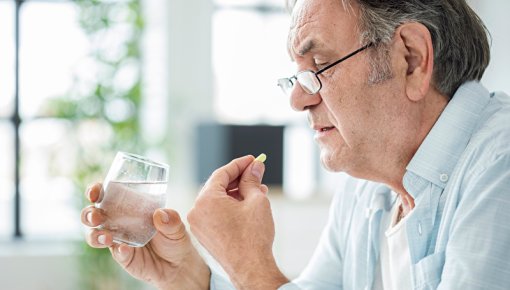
{"points": [[132, 190]]}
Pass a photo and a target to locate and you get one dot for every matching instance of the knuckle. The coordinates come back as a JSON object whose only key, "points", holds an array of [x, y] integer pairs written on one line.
{"points": [[261, 199], [216, 174], [250, 181], [180, 232], [90, 238]]}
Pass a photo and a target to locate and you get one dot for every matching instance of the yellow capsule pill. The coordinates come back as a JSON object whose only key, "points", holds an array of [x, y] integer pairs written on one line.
{"points": [[262, 157]]}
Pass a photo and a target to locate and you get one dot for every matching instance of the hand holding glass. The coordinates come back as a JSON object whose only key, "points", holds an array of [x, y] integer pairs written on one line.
{"points": [[133, 189]]}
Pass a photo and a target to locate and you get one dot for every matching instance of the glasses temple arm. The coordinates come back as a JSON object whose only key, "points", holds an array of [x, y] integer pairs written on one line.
{"points": [[343, 58]]}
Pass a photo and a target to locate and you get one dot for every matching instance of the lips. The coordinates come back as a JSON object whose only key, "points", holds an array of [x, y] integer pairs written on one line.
{"points": [[324, 129]]}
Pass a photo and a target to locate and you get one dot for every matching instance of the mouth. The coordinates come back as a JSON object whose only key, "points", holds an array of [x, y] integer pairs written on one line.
{"points": [[322, 128], [325, 129]]}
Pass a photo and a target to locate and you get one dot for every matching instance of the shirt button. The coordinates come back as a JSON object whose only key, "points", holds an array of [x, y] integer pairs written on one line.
{"points": [[419, 229], [443, 177]]}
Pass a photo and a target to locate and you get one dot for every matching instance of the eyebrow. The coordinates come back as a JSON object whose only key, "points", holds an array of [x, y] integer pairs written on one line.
{"points": [[309, 45]]}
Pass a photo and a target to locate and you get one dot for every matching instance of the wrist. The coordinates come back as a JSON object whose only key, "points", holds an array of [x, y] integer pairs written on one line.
{"points": [[264, 275], [194, 274]]}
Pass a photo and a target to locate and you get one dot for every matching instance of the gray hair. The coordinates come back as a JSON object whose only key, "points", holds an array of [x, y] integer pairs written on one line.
{"points": [[459, 37]]}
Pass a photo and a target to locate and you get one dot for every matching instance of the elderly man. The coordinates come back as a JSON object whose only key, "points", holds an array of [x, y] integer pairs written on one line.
{"points": [[390, 87]]}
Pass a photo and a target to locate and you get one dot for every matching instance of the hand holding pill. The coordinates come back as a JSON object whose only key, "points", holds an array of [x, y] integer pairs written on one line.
{"points": [[238, 232]]}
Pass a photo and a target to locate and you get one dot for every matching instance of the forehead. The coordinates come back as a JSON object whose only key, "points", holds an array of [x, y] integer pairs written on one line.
{"points": [[320, 24]]}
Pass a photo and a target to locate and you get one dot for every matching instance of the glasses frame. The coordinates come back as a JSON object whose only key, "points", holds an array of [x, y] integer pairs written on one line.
{"points": [[317, 73]]}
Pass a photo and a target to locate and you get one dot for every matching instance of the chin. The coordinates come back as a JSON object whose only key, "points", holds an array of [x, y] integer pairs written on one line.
{"points": [[330, 162]]}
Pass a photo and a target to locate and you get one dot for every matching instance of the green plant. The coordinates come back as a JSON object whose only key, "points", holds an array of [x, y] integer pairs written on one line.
{"points": [[103, 105]]}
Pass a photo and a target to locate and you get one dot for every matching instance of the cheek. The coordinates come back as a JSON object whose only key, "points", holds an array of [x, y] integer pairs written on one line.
{"points": [[348, 111]]}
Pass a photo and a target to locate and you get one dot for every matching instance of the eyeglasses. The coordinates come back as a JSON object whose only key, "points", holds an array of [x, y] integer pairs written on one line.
{"points": [[309, 80]]}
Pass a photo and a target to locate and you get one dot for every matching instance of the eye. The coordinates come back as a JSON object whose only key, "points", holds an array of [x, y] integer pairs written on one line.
{"points": [[320, 66], [319, 62]]}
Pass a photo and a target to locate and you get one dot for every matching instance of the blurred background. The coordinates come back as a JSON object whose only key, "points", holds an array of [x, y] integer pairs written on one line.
{"points": [[189, 83]]}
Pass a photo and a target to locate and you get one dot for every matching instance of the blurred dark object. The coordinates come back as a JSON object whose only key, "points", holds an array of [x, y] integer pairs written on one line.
{"points": [[217, 144]]}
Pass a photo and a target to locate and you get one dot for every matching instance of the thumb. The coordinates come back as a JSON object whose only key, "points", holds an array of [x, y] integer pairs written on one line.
{"points": [[169, 224], [251, 179]]}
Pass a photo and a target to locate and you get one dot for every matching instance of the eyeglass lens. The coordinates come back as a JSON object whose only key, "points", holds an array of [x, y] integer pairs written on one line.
{"points": [[286, 85], [308, 81]]}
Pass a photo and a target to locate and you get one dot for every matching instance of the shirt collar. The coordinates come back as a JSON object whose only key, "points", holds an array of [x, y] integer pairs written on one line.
{"points": [[439, 153]]}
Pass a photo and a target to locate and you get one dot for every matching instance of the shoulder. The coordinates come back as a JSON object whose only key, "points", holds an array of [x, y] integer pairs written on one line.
{"points": [[490, 143], [494, 127], [486, 162], [495, 120]]}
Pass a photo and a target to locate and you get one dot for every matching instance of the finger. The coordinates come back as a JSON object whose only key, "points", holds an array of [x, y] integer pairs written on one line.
{"points": [[123, 254], [233, 185], [222, 177], [99, 238], [92, 216], [250, 181], [169, 224], [264, 188], [235, 194], [94, 192]]}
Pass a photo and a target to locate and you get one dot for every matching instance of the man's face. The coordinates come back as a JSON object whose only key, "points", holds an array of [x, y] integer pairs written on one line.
{"points": [[355, 122]]}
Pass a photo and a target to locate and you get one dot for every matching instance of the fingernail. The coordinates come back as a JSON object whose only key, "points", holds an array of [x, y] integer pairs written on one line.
{"points": [[89, 189], [101, 239], [89, 217], [257, 169], [163, 216]]}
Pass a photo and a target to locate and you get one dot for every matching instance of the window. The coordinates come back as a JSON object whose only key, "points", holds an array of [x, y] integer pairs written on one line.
{"points": [[6, 58], [49, 206], [249, 55], [6, 180], [7, 74], [78, 94], [50, 45]]}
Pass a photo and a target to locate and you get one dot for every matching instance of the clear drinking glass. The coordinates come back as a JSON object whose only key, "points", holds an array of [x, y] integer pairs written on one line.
{"points": [[133, 189]]}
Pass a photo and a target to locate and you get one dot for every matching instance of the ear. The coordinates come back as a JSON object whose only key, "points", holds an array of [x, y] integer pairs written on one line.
{"points": [[419, 56]]}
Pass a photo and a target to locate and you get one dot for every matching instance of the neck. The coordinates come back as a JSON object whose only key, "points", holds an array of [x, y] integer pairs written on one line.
{"points": [[417, 128]]}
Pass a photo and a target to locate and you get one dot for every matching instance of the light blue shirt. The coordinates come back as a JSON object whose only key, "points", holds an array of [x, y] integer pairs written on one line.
{"points": [[459, 232]]}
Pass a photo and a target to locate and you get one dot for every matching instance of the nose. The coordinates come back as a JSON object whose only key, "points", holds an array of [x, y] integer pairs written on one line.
{"points": [[301, 101]]}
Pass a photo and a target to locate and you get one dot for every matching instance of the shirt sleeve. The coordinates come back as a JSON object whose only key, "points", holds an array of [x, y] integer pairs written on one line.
{"points": [[219, 282], [325, 269], [477, 254], [290, 286]]}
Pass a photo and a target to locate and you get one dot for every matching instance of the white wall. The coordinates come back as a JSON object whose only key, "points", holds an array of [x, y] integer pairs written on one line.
{"points": [[190, 80], [495, 15], [38, 272], [40, 266]]}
